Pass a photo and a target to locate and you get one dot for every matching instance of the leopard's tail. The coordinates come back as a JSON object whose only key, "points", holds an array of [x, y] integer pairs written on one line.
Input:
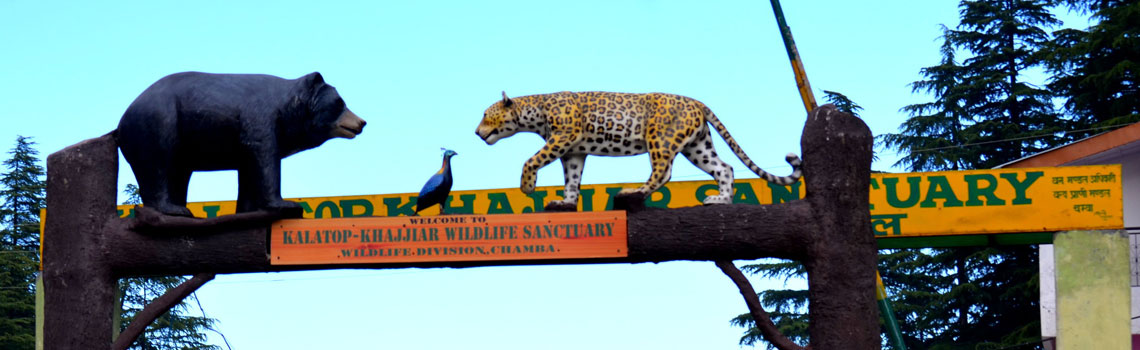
{"points": [[792, 158]]}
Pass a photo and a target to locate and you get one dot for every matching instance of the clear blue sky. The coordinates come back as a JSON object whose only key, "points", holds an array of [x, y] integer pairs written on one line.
{"points": [[421, 73]]}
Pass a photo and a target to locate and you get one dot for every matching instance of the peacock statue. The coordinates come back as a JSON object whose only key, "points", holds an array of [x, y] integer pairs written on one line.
{"points": [[437, 188]]}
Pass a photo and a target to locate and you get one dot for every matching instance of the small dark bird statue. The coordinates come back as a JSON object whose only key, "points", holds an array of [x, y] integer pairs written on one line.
{"points": [[437, 188]]}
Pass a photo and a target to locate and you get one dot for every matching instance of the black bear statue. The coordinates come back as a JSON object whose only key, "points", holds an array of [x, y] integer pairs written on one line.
{"points": [[193, 121]]}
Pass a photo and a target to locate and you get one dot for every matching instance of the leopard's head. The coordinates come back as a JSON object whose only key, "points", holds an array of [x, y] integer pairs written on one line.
{"points": [[499, 121]]}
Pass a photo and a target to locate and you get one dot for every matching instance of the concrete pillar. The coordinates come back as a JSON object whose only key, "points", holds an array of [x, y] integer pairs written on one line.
{"points": [[1093, 291]]}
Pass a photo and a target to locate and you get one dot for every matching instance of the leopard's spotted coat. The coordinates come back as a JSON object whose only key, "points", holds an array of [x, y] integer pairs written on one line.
{"points": [[575, 124]]}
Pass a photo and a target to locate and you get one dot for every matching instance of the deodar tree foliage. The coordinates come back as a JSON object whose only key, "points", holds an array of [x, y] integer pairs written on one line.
{"points": [[985, 111], [21, 197]]}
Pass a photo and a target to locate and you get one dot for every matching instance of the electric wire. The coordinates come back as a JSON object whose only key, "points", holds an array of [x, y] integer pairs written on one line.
{"points": [[1053, 134], [199, 302]]}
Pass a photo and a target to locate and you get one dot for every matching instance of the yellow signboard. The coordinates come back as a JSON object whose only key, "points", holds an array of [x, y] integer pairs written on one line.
{"points": [[449, 238], [512, 201], [997, 201], [902, 205]]}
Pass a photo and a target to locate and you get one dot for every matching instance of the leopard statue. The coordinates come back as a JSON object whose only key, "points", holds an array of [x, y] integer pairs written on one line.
{"points": [[576, 124]]}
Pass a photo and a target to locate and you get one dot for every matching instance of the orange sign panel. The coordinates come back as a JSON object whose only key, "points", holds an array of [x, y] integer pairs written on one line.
{"points": [[449, 238]]}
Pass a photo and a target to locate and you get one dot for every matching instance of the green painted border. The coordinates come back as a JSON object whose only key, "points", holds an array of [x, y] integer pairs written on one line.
{"points": [[966, 240]]}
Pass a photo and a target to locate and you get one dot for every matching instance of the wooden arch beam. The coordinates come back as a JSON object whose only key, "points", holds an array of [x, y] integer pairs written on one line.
{"points": [[87, 247]]}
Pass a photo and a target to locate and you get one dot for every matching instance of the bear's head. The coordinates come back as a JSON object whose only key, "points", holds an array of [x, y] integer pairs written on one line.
{"points": [[326, 114]]}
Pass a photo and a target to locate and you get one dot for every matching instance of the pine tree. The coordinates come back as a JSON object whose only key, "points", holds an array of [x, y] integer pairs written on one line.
{"points": [[915, 292], [1097, 70], [174, 329], [930, 307], [21, 198], [933, 135], [994, 292], [984, 114], [842, 103], [1011, 117]]}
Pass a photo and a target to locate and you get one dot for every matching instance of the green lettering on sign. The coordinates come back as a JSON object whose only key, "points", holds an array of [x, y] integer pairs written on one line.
{"points": [[349, 207], [500, 204], [468, 206], [940, 189], [703, 191], [611, 192], [538, 202], [973, 191], [891, 183], [1019, 187], [743, 194], [587, 199], [782, 194], [396, 209], [334, 211], [211, 210], [660, 203]]}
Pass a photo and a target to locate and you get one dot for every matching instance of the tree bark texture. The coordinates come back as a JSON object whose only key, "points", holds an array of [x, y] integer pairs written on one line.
{"points": [[79, 289], [86, 246], [842, 253]]}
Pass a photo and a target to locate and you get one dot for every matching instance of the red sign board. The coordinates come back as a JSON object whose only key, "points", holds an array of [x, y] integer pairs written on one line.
{"points": [[449, 238]]}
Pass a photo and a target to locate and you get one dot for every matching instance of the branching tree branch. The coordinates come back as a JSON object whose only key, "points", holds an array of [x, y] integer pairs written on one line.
{"points": [[156, 308], [763, 322]]}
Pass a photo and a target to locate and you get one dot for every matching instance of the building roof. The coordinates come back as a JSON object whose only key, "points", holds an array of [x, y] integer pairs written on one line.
{"points": [[1091, 150]]}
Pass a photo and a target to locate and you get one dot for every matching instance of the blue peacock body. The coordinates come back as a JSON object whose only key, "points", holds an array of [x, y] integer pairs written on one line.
{"points": [[437, 188]]}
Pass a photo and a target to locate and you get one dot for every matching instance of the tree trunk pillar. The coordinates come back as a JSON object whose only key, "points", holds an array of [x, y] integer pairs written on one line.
{"points": [[78, 285], [842, 254]]}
